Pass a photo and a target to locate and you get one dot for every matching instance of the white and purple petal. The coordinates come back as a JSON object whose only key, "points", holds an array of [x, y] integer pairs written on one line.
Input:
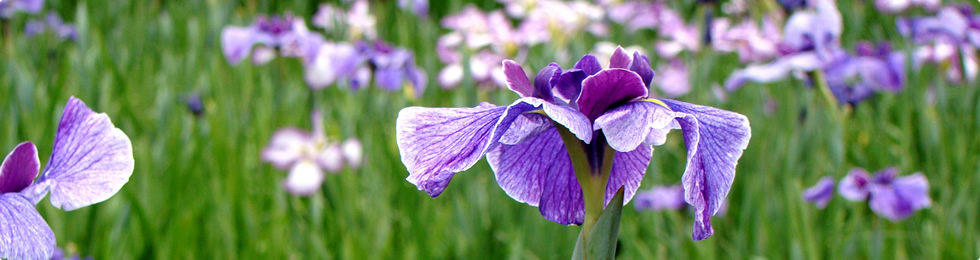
{"points": [[286, 146], [304, 179], [19, 168], [902, 197], [854, 186], [628, 126], [23, 232], [236, 43], [91, 159], [715, 139]]}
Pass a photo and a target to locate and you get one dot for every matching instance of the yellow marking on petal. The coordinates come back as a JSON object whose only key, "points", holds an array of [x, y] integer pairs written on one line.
{"points": [[409, 90], [661, 103], [537, 111]]}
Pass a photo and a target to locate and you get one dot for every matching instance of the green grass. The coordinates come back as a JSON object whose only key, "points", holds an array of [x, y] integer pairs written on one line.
{"points": [[199, 190]]}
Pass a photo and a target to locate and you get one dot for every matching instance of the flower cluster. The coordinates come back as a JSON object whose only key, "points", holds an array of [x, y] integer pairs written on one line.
{"points": [[889, 195], [950, 38], [51, 22], [10, 7], [305, 155], [325, 62], [90, 161], [572, 125]]}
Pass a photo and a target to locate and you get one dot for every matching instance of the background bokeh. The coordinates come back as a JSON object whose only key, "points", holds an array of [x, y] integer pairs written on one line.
{"points": [[200, 191]]}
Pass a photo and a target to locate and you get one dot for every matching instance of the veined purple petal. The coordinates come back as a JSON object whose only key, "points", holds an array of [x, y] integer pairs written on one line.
{"points": [[436, 143], [629, 125], [572, 119], [589, 64], [517, 79], [23, 232], [285, 147], [545, 80], [660, 198], [609, 87], [91, 159], [304, 179], [821, 193], [641, 65], [628, 170], [901, 198], [854, 186], [236, 42], [620, 59], [19, 168], [715, 139], [522, 169], [570, 85]]}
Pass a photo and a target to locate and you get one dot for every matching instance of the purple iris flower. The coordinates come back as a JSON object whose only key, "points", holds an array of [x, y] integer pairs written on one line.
{"points": [[898, 6], [752, 42], [605, 113], [305, 155], [419, 7], [661, 198], [951, 37], [91, 160], [890, 196], [9, 7], [394, 65], [286, 33], [821, 193], [52, 22], [337, 61]]}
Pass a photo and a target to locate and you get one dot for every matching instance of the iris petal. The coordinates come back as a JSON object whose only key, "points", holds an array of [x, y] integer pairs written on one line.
{"points": [[23, 232], [19, 168]]}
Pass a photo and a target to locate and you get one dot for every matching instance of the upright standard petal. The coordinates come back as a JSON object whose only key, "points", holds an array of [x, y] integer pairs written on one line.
{"points": [[854, 186], [589, 64], [901, 198], [607, 88], [23, 232], [546, 79], [436, 143], [91, 159], [821, 193], [641, 65], [715, 139], [19, 168], [517, 79], [620, 59]]}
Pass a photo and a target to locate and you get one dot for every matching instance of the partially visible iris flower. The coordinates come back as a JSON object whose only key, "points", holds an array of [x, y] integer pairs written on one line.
{"points": [[661, 198], [9, 7], [305, 155], [753, 43], [287, 34], [487, 38], [575, 137], [898, 6], [394, 66], [51, 22], [821, 193], [889, 196], [90, 161], [950, 38]]}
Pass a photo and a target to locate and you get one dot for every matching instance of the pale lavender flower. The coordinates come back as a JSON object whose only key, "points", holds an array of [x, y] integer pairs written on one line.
{"points": [[288, 34], [419, 7], [821, 193], [752, 43], [9, 7], [606, 110], [661, 198], [682, 36], [53, 22], [334, 62], [305, 155], [90, 161], [949, 38], [898, 6], [673, 79], [395, 65]]}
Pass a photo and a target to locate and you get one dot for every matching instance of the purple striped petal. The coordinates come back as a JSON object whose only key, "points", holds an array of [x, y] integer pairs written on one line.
{"points": [[620, 59], [821, 193], [517, 79], [629, 125], [641, 65], [545, 80], [522, 169], [854, 186], [19, 168], [715, 139], [609, 87], [627, 171], [91, 159], [660, 198], [23, 232], [901, 198]]}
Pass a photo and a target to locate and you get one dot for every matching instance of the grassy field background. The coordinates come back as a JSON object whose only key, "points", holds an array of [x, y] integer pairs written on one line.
{"points": [[199, 190]]}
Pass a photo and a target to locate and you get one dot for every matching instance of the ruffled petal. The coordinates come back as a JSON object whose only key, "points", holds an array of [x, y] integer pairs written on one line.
{"points": [[91, 159], [628, 170], [629, 125], [305, 178], [641, 65], [609, 87], [715, 139], [821, 193], [854, 186], [570, 85], [435, 143], [23, 232], [19, 168], [236, 43], [286, 146]]}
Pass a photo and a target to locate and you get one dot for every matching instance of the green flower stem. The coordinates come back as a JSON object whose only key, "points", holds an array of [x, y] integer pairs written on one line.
{"points": [[593, 183]]}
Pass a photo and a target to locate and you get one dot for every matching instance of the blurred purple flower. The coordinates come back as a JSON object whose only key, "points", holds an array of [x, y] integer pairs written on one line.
{"points": [[195, 104], [821, 193], [752, 43], [335, 62], [892, 197], [949, 38], [661, 198], [91, 160], [9, 7], [898, 6], [673, 79], [419, 7], [288, 34], [305, 155], [395, 65], [51, 22], [607, 110]]}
